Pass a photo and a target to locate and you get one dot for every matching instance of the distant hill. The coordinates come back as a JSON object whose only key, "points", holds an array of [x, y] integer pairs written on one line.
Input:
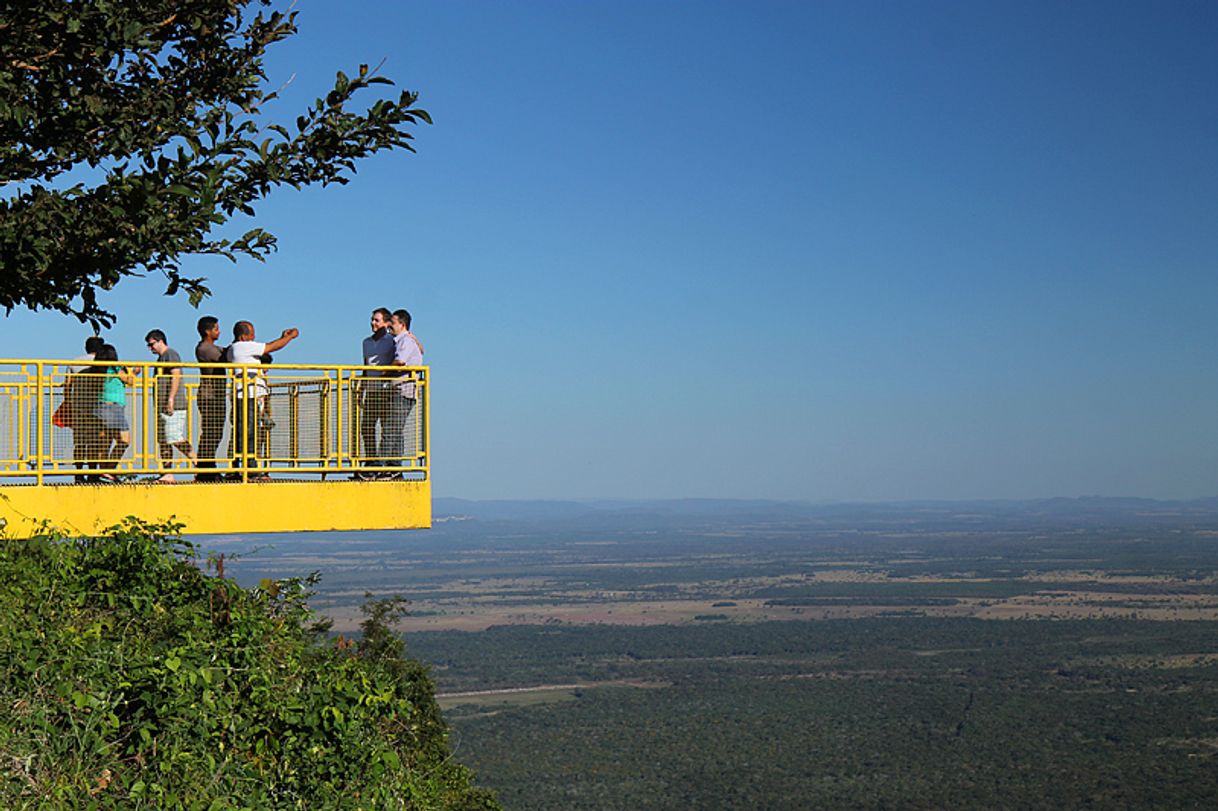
{"points": [[506, 510], [664, 511]]}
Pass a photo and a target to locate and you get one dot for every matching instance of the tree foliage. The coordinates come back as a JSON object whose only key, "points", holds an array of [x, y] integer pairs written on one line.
{"points": [[129, 678], [868, 713], [130, 130]]}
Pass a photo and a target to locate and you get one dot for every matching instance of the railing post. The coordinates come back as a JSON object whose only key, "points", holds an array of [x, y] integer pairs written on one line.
{"points": [[340, 426], [423, 388], [39, 415], [233, 375], [192, 404], [293, 422], [323, 426], [243, 424], [24, 414], [140, 456]]}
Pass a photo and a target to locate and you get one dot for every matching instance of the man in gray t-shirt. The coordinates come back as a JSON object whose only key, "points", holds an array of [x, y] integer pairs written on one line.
{"points": [[170, 405]]}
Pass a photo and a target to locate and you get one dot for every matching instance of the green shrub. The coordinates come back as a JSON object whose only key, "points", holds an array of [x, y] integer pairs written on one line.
{"points": [[130, 678]]}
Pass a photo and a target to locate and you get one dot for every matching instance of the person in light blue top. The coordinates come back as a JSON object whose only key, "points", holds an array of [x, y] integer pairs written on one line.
{"points": [[111, 409]]}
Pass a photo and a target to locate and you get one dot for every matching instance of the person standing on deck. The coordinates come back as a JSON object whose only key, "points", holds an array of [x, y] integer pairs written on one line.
{"points": [[79, 397], [110, 410], [246, 349], [171, 406], [212, 398], [375, 399], [408, 352]]}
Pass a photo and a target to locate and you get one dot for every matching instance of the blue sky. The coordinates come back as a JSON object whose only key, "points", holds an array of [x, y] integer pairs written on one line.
{"points": [[825, 251]]}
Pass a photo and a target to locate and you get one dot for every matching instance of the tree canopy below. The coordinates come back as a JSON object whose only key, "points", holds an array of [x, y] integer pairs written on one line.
{"points": [[130, 131]]}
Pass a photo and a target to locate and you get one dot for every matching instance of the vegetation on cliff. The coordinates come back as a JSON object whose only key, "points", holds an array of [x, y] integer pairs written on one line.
{"points": [[130, 677]]}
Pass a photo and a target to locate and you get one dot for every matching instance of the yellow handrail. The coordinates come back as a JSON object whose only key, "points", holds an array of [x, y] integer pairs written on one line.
{"points": [[302, 421]]}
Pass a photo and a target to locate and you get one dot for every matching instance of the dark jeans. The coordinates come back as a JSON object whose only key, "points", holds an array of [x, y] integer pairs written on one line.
{"points": [[375, 405], [245, 431], [393, 435], [87, 451], [212, 411]]}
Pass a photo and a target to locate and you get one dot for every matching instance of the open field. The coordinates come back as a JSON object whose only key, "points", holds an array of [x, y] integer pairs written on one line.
{"points": [[1004, 657], [763, 576], [525, 696], [492, 700], [1055, 596]]}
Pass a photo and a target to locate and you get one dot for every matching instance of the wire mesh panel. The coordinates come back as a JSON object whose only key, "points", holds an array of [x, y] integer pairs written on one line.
{"points": [[100, 421], [415, 428], [17, 386], [385, 425], [87, 419], [85, 412], [292, 409]]}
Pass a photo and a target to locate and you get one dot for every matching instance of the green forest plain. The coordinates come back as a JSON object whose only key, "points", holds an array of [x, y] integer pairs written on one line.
{"points": [[1058, 654]]}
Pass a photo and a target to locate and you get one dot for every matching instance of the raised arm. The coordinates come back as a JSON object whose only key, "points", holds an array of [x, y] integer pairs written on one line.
{"points": [[283, 340]]}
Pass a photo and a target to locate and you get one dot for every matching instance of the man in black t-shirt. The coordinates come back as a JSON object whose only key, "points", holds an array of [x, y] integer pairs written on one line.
{"points": [[212, 396]]}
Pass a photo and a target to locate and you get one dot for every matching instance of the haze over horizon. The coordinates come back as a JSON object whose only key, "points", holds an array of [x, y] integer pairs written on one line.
{"points": [[818, 252]]}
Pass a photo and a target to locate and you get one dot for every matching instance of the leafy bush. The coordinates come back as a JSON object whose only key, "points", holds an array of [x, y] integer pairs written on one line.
{"points": [[130, 678]]}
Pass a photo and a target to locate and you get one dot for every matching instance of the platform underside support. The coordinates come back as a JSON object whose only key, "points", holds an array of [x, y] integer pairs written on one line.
{"points": [[212, 509]]}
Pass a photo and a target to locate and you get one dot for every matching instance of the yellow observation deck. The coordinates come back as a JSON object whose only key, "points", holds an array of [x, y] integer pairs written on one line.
{"points": [[296, 447]]}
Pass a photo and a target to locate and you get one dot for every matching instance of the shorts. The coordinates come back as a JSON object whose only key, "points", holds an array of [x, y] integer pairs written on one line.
{"points": [[112, 416], [171, 428]]}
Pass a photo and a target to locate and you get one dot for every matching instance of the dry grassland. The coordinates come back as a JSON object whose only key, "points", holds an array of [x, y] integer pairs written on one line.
{"points": [[477, 604]]}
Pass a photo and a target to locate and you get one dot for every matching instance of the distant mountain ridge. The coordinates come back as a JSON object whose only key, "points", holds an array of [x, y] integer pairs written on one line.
{"points": [[542, 510]]}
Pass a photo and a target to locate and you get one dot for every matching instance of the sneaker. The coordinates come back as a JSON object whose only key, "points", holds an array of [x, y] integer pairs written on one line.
{"points": [[166, 479], [390, 477], [362, 476], [106, 478]]}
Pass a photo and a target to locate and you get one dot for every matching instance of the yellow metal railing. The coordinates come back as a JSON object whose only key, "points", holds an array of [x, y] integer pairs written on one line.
{"points": [[279, 421]]}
